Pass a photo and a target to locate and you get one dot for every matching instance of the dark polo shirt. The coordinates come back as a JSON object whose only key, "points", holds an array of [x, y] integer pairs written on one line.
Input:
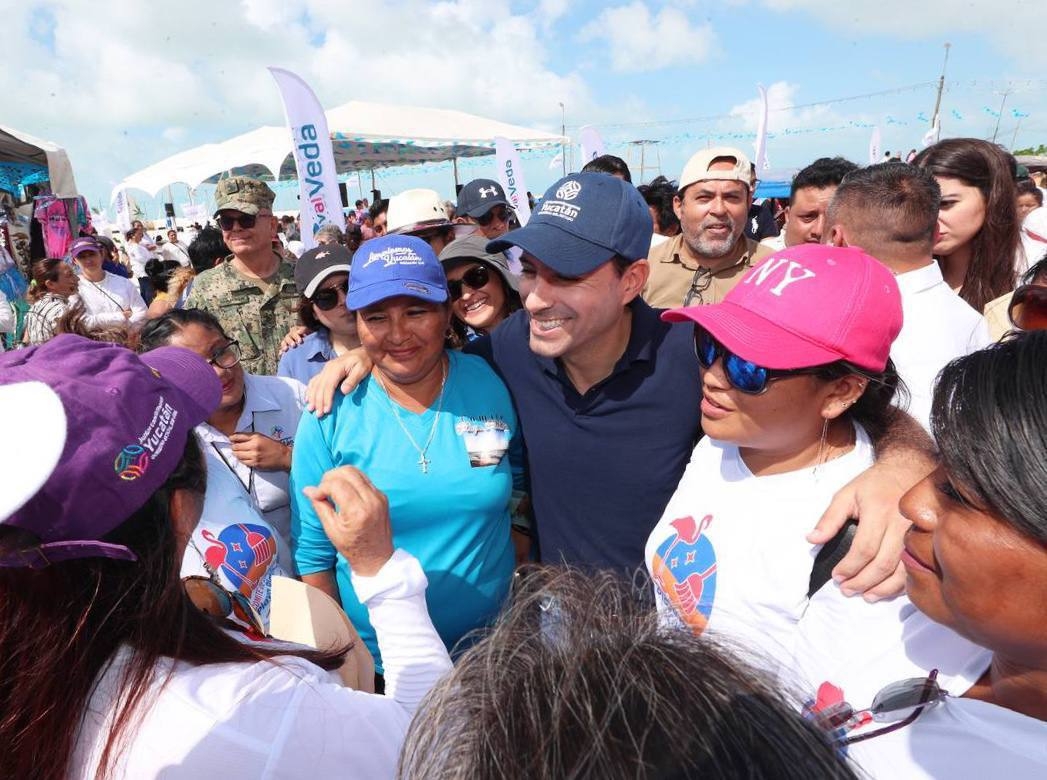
{"points": [[602, 465]]}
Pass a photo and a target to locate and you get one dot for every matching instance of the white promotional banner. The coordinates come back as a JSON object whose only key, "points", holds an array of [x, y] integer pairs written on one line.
{"points": [[194, 211], [760, 160], [123, 210], [510, 174], [592, 144], [874, 147], [313, 156], [932, 135]]}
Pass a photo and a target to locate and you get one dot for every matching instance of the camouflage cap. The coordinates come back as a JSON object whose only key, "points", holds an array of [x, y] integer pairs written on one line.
{"points": [[244, 194]]}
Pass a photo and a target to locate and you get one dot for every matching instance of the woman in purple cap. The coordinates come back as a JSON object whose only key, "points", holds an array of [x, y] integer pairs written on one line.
{"points": [[796, 385], [108, 668], [431, 428]]}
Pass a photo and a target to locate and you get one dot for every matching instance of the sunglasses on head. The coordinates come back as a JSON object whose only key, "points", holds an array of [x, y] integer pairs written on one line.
{"points": [[743, 375], [475, 278], [501, 213], [1028, 307], [246, 221], [209, 596], [327, 298]]}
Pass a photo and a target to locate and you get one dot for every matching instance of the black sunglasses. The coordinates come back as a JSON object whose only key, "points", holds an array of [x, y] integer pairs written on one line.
{"points": [[327, 298], [744, 375], [246, 221], [475, 278], [501, 213]]}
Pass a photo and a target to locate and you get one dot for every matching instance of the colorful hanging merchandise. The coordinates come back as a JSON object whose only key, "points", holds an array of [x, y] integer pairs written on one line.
{"points": [[60, 221]]}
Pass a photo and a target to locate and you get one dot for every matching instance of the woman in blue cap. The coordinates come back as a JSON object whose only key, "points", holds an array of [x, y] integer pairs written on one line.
{"points": [[431, 428]]}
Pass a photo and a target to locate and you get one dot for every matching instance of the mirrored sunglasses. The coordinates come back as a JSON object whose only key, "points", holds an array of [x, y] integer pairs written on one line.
{"points": [[898, 704], [475, 278], [327, 298], [743, 375], [209, 596]]}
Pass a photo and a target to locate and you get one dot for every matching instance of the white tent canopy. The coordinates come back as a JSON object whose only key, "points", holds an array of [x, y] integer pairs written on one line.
{"points": [[365, 136], [18, 147]]}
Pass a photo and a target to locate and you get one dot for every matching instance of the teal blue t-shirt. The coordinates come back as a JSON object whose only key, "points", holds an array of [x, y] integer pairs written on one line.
{"points": [[454, 519]]}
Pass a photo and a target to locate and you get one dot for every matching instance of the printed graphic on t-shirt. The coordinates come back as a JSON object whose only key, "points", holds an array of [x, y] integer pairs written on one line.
{"points": [[684, 569], [243, 554], [486, 439], [281, 436]]}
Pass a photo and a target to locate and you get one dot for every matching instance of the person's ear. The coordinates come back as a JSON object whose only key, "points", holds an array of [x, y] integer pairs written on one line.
{"points": [[634, 279], [842, 394], [835, 236]]}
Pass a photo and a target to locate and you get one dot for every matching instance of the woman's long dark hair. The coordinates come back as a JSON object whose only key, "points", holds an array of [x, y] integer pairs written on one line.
{"points": [[44, 271], [990, 421], [62, 625], [875, 409], [986, 166]]}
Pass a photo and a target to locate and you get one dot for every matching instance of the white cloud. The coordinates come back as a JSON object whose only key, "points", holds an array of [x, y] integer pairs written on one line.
{"points": [[781, 96], [638, 40]]}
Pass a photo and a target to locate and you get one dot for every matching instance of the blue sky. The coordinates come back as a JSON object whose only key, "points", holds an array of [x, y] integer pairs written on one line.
{"points": [[123, 83]]}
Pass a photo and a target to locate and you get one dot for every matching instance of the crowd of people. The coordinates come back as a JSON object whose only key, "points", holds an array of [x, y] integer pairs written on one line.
{"points": [[665, 481]]}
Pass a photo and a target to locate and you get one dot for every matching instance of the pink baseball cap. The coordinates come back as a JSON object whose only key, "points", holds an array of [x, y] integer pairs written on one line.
{"points": [[808, 305]]}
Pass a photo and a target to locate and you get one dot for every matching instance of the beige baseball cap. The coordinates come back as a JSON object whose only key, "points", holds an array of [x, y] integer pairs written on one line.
{"points": [[414, 210], [697, 168]]}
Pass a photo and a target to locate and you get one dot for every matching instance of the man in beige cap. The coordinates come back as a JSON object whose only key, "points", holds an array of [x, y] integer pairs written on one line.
{"points": [[711, 252], [252, 293]]}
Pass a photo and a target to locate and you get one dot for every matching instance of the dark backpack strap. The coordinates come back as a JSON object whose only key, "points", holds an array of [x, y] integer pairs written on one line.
{"points": [[832, 553]]}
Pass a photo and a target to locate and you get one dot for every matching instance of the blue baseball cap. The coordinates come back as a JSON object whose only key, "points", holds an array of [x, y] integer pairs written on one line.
{"points": [[583, 221], [395, 265]]}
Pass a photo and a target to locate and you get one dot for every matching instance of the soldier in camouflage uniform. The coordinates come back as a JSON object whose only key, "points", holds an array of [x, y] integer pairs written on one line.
{"points": [[252, 293]]}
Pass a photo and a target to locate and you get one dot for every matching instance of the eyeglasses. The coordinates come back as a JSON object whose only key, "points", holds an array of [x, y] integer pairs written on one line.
{"points": [[743, 375], [327, 298], [501, 213], [700, 282], [475, 278], [209, 596], [1028, 308], [226, 357], [246, 221], [899, 704]]}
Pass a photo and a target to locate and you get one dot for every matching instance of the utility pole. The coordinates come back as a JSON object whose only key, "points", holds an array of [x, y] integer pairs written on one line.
{"points": [[1014, 138], [996, 130], [563, 133], [935, 119]]}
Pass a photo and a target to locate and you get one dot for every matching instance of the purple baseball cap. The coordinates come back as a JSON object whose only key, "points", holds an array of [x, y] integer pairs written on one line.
{"points": [[129, 417], [85, 244], [394, 265]]}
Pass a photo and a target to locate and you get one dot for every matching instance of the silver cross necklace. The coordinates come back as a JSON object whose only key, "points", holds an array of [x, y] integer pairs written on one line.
{"points": [[423, 461]]}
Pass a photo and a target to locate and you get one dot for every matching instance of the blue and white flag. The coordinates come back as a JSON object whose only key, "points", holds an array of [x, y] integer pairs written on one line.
{"points": [[313, 156], [510, 174], [592, 144]]}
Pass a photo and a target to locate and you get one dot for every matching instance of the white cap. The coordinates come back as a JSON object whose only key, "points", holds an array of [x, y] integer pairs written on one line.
{"points": [[34, 424], [413, 210], [697, 168]]}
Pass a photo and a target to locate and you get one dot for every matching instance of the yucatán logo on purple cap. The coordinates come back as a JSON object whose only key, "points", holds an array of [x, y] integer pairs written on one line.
{"points": [[567, 191], [132, 462], [394, 255], [134, 459]]}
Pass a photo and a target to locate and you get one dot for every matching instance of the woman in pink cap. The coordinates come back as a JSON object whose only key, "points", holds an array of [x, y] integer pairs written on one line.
{"points": [[796, 385]]}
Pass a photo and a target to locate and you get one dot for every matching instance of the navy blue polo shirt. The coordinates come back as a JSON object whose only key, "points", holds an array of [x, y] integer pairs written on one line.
{"points": [[602, 465]]}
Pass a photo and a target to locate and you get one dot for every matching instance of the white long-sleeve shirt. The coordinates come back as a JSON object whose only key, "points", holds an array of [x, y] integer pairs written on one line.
{"points": [[105, 301], [281, 719]]}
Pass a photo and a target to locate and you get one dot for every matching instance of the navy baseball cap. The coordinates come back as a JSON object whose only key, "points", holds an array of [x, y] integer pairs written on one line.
{"points": [[394, 265], [480, 196], [583, 221]]}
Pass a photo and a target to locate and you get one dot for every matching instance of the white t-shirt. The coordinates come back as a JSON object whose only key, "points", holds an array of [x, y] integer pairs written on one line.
{"points": [[938, 326], [236, 543], [139, 255], [729, 554], [273, 406], [105, 301], [958, 738], [176, 251], [283, 719]]}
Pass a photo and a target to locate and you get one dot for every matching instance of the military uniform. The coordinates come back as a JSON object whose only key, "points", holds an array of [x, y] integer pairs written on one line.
{"points": [[256, 312]]}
